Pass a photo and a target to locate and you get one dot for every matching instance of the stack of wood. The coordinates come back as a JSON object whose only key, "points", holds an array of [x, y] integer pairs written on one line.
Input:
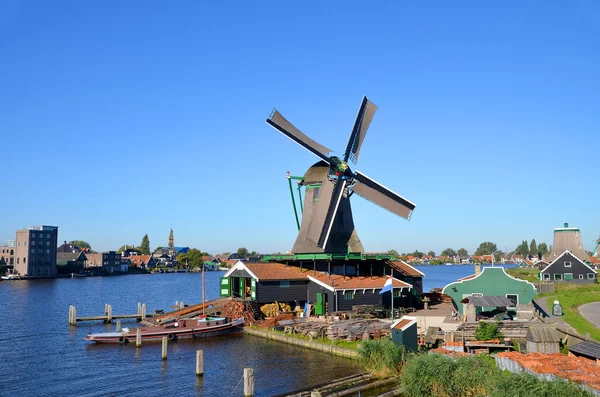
{"points": [[273, 309], [311, 328], [234, 310], [355, 329]]}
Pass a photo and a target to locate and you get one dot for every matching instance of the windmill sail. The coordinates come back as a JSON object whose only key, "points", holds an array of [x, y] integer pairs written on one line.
{"points": [[378, 194], [280, 123], [365, 115]]}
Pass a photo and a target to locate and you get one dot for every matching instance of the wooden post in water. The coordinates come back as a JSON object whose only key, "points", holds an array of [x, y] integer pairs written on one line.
{"points": [[108, 313], [164, 348], [138, 337], [72, 315], [181, 305], [139, 308], [176, 305], [248, 382], [199, 363], [118, 329], [143, 311]]}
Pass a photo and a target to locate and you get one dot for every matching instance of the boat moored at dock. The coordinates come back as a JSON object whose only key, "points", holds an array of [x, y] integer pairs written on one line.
{"points": [[200, 326]]}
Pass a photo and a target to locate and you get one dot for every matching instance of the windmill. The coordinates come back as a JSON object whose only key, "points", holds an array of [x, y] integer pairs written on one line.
{"points": [[327, 223]]}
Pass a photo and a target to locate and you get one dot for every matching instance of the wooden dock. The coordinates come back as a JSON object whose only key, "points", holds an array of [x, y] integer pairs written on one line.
{"points": [[108, 316]]}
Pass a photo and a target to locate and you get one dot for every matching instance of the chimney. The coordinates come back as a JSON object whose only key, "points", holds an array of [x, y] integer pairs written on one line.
{"points": [[477, 269], [566, 224]]}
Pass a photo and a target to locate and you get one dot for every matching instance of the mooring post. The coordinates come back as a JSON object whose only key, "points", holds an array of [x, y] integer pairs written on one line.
{"points": [[199, 363], [118, 329], [164, 348], [138, 337], [176, 305], [72, 315], [139, 308], [181, 305], [248, 382], [143, 311], [108, 313]]}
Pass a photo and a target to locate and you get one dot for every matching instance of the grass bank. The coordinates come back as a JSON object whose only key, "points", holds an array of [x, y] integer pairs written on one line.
{"points": [[524, 273], [570, 297]]}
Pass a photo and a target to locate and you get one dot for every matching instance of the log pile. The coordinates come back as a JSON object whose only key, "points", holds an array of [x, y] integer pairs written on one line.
{"points": [[272, 309], [234, 310]]}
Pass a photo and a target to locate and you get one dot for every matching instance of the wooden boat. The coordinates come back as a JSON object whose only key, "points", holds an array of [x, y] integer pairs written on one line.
{"points": [[200, 326], [11, 276]]}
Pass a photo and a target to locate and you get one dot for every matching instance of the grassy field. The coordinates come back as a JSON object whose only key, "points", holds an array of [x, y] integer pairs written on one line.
{"points": [[524, 273], [353, 345], [570, 297]]}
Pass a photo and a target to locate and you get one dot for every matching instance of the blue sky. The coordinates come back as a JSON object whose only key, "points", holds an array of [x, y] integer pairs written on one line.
{"points": [[123, 119]]}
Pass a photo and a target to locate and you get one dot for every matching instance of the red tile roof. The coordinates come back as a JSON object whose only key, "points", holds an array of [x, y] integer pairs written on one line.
{"points": [[275, 271], [402, 323], [405, 269], [139, 260], [341, 282]]}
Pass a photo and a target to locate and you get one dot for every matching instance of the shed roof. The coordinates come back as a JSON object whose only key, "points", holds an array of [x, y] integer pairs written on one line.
{"points": [[405, 269], [542, 333], [339, 282], [404, 323], [488, 301], [587, 348]]}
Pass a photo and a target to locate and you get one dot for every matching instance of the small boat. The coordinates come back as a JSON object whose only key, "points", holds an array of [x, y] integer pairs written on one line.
{"points": [[11, 276], [77, 275], [200, 326]]}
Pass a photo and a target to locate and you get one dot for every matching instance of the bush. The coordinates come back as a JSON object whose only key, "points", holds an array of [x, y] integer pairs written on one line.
{"points": [[382, 357], [527, 385], [487, 331]]}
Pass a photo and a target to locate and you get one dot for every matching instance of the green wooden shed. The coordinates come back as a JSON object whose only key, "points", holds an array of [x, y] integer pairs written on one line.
{"points": [[404, 332], [490, 282]]}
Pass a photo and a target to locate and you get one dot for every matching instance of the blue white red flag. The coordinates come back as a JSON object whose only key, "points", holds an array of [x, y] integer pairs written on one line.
{"points": [[387, 286]]}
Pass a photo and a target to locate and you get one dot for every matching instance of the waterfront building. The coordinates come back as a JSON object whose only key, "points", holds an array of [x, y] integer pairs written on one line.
{"points": [[143, 261], [68, 247], [70, 262], [568, 239], [490, 282], [568, 267], [331, 286], [107, 262], [35, 251], [7, 253]]}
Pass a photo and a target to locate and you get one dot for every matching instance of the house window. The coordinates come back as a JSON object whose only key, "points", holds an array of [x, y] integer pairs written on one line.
{"points": [[557, 276], [17, 261], [590, 276], [47, 251], [477, 294], [513, 298], [284, 284], [568, 276], [581, 276], [19, 243], [33, 242], [33, 250], [47, 235], [24, 243], [32, 235], [546, 276], [397, 292], [567, 264], [348, 295], [48, 243], [24, 260]]}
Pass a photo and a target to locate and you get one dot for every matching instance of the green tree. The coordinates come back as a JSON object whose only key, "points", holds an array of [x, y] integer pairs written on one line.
{"points": [[243, 252], [193, 258], [418, 254], [404, 257], [522, 249], [543, 248], [431, 253], [533, 248], [449, 252], [145, 245], [486, 248], [462, 252], [393, 253], [81, 244]]}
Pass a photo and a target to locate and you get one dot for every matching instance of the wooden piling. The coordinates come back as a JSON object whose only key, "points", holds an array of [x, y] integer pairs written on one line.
{"points": [[143, 311], [118, 329], [72, 315], [164, 348], [248, 382], [199, 363], [181, 305], [138, 337], [108, 313], [176, 305], [139, 308]]}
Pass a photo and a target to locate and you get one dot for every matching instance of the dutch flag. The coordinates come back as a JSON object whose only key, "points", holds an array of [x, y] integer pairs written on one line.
{"points": [[387, 286]]}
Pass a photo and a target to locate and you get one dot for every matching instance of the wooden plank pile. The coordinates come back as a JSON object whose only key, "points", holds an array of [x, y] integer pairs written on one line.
{"points": [[355, 329]]}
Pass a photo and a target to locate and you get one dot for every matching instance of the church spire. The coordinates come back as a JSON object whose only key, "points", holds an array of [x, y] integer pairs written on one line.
{"points": [[171, 239]]}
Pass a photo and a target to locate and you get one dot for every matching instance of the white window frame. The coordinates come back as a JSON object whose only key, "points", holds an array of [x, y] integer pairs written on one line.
{"points": [[568, 264], [558, 279], [546, 276], [517, 295], [581, 276], [591, 274]]}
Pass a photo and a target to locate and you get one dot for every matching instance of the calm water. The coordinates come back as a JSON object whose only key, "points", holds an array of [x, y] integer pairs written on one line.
{"points": [[41, 355]]}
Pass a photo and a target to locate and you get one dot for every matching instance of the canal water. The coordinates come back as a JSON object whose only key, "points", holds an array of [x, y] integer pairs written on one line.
{"points": [[41, 355]]}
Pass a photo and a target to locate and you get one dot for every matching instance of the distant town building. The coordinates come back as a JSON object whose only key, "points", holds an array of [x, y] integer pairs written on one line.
{"points": [[143, 261], [68, 247], [70, 262], [568, 239], [7, 253], [171, 239], [35, 251]]}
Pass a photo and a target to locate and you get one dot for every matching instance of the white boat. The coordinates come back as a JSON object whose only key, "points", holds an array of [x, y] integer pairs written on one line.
{"points": [[11, 276]]}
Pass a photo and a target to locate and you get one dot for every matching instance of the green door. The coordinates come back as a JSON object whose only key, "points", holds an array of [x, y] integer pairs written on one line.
{"points": [[242, 287], [319, 304], [253, 287], [225, 286]]}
